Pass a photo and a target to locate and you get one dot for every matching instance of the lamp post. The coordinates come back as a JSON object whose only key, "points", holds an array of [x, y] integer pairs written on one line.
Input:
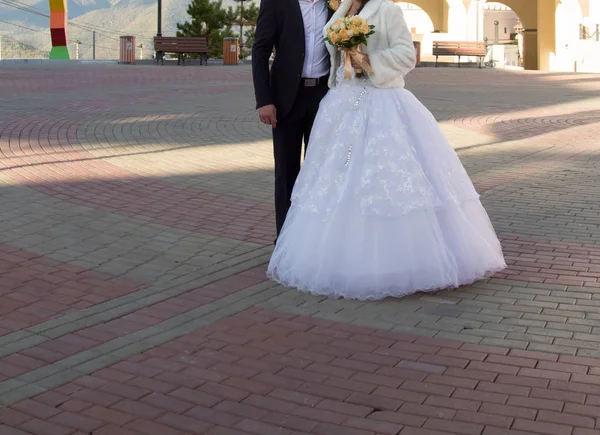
{"points": [[77, 49], [159, 29], [242, 27], [496, 32]]}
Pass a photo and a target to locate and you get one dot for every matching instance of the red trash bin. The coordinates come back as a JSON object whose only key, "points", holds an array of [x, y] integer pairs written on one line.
{"points": [[230, 51], [417, 45], [127, 50]]}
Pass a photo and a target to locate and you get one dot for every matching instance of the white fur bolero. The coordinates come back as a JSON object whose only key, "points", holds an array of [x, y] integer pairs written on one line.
{"points": [[391, 50]]}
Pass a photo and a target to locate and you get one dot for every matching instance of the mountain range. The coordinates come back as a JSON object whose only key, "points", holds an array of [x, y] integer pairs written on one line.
{"points": [[110, 19]]}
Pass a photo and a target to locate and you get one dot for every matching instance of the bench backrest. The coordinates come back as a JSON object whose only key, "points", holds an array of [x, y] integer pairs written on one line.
{"points": [[181, 44], [464, 48]]}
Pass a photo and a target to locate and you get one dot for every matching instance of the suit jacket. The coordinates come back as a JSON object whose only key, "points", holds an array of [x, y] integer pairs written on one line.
{"points": [[279, 25], [391, 50]]}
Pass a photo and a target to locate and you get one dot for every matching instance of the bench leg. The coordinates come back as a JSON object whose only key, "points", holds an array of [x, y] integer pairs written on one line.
{"points": [[480, 62], [436, 61], [459, 61]]}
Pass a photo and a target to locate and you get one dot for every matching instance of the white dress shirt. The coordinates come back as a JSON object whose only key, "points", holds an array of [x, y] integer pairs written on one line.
{"points": [[316, 59]]}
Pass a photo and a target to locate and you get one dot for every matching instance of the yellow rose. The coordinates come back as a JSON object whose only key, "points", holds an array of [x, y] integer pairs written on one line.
{"points": [[334, 5], [335, 38], [355, 30], [344, 35], [364, 28], [357, 21]]}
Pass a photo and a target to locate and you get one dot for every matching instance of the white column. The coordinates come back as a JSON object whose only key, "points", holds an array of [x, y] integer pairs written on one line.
{"points": [[475, 16], [457, 20]]}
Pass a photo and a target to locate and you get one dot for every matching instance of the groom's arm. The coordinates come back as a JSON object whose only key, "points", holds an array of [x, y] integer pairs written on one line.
{"points": [[264, 41]]}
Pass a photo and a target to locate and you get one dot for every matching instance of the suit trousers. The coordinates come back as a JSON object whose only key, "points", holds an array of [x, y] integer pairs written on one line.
{"points": [[291, 131]]}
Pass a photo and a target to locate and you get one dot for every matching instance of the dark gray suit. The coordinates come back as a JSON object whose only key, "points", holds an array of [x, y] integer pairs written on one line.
{"points": [[280, 26]]}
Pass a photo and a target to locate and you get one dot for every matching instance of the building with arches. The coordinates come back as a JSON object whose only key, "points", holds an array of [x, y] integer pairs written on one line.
{"points": [[557, 35]]}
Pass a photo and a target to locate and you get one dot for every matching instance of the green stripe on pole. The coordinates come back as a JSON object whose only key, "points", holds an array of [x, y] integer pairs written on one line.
{"points": [[59, 53]]}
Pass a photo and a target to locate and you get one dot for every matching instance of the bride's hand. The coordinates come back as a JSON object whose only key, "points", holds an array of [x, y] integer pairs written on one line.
{"points": [[356, 65]]}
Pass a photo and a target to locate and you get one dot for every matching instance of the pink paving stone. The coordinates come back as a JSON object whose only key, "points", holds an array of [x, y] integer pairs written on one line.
{"points": [[189, 209], [569, 263], [287, 402], [35, 289], [287, 365], [51, 351]]}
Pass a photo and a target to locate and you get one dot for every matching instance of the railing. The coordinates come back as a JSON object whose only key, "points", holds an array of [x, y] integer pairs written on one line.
{"points": [[584, 33]]}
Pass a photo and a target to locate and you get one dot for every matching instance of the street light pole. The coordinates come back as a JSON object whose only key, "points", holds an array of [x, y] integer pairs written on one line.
{"points": [[242, 27], [159, 31]]}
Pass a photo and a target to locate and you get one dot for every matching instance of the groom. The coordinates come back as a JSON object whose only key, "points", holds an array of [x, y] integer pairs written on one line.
{"points": [[288, 96]]}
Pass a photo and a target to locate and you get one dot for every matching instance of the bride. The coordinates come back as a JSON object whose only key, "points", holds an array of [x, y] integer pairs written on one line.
{"points": [[382, 206]]}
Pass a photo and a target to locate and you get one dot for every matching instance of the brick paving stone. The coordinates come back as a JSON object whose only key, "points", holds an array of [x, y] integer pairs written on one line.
{"points": [[115, 204], [475, 406], [36, 289]]}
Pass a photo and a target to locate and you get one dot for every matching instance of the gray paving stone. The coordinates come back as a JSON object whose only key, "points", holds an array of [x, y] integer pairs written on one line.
{"points": [[424, 332], [20, 394], [464, 336], [546, 191], [506, 343]]}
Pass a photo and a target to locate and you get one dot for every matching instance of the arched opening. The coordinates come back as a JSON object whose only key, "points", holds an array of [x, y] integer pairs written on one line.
{"points": [[457, 20], [525, 10], [420, 24], [516, 29], [569, 50], [447, 16], [500, 23], [589, 45], [502, 30]]}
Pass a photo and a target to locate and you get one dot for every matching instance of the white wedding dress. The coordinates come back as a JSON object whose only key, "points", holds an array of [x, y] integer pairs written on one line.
{"points": [[382, 206]]}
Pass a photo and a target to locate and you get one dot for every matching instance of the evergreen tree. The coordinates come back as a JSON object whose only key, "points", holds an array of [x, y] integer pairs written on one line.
{"points": [[211, 20], [244, 17]]}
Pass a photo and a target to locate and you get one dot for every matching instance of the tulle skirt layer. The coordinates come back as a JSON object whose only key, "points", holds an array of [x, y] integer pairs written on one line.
{"points": [[383, 206]]}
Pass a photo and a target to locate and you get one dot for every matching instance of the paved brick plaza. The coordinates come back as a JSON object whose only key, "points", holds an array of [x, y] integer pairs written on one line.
{"points": [[135, 227]]}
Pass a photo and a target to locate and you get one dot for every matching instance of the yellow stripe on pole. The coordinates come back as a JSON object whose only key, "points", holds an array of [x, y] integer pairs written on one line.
{"points": [[58, 5]]}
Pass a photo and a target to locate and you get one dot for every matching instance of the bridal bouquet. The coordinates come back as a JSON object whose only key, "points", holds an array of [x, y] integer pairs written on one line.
{"points": [[348, 34]]}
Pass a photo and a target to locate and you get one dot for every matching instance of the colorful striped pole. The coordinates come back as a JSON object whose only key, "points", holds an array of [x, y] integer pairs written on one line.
{"points": [[58, 29]]}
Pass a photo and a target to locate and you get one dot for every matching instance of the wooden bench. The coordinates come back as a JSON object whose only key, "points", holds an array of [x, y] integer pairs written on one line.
{"points": [[182, 46], [458, 48]]}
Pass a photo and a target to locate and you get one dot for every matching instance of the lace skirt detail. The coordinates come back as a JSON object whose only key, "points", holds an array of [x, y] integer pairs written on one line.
{"points": [[382, 206]]}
